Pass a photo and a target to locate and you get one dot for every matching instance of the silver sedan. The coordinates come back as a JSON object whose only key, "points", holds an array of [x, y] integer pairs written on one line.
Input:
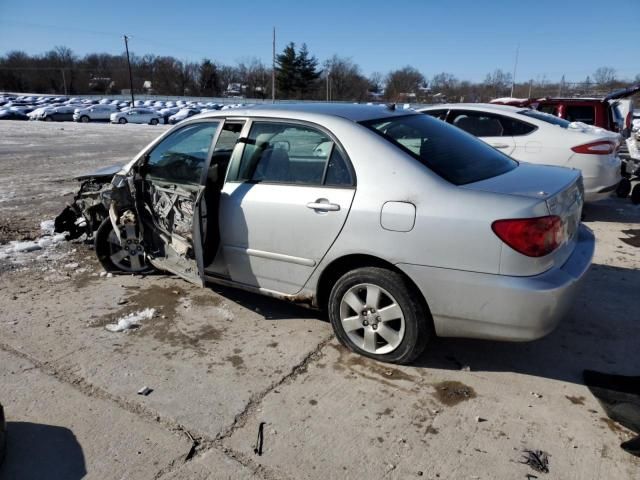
{"points": [[402, 227]]}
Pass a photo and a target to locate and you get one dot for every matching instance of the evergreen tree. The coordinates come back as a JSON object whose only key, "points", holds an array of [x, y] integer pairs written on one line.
{"points": [[306, 66], [287, 71]]}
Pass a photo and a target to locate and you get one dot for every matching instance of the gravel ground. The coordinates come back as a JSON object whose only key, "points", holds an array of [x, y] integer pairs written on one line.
{"points": [[221, 362]]}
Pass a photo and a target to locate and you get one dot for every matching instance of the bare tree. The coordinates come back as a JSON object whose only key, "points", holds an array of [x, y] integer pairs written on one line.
{"points": [[604, 76], [403, 84]]}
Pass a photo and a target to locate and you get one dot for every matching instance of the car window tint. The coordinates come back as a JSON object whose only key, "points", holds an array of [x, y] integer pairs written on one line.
{"points": [[446, 150], [580, 113], [439, 114], [338, 173], [550, 109], [515, 128], [545, 117], [479, 124], [284, 153], [228, 136], [181, 156]]}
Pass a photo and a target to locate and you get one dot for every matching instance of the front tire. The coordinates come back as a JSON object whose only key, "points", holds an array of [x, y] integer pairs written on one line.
{"points": [[376, 312], [84, 119], [153, 121], [116, 257], [122, 121], [48, 119]]}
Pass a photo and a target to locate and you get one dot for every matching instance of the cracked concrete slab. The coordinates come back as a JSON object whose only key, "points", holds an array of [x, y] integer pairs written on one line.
{"points": [[211, 465], [205, 360], [56, 432], [350, 417], [220, 361]]}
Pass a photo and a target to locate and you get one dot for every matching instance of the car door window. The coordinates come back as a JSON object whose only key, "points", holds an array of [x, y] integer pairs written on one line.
{"points": [[516, 128], [182, 155], [480, 124], [285, 153], [440, 114]]}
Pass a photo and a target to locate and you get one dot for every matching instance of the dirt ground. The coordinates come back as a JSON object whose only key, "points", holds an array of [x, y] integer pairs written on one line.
{"points": [[221, 362]]}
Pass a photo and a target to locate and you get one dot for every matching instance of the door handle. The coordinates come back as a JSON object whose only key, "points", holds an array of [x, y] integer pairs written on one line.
{"points": [[323, 206], [500, 145]]}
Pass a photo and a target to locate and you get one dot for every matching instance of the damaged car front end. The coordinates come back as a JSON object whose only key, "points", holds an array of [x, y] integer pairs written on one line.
{"points": [[87, 211]]}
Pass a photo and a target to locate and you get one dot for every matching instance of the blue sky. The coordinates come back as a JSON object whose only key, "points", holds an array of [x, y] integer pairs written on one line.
{"points": [[468, 38]]}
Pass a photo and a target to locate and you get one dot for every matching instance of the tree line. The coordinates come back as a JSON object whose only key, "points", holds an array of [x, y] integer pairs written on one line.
{"points": [[298, 73]]}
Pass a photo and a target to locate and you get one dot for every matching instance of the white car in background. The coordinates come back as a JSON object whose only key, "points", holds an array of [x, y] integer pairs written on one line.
{"points": [[183, 114], [137, 115], [94, 113], [536, 137]]}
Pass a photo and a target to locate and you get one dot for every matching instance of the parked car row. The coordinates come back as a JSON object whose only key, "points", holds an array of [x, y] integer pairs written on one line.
{"points": [[62, 109]]}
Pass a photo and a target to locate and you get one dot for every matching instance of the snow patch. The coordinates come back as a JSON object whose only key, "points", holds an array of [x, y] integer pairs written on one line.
{"points": [[132, 320]]}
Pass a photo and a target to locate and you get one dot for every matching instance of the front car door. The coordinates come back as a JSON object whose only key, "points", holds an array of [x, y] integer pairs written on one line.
{"points": [[288, 192], [174, 176], [486, 126]]}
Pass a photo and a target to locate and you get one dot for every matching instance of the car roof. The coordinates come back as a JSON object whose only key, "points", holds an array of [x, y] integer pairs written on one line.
{"points": [[313, 111], [485, 107]]}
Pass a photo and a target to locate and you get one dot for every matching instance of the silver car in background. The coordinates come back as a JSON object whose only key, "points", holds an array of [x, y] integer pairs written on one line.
{"points": [[402, 227]]}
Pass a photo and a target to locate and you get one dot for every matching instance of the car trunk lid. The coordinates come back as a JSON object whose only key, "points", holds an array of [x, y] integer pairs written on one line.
{"points": [[560, 189]]}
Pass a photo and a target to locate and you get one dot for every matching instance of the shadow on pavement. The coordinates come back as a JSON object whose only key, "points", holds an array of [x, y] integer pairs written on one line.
{"points": [[611, 210], [600, 333], [36, 451], [270, 308]]}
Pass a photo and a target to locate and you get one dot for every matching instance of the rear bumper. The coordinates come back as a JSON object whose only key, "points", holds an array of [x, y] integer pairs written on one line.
{"points": [[500, 307], [602, 182]]}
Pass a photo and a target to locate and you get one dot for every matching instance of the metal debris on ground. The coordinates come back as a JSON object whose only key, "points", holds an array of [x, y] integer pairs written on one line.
{"points": [[260, 440], [145, 391], [537, 459]]}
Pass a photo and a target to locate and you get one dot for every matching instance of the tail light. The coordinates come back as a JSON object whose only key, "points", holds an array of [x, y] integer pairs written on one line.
{"points": [[533, 237], [602, 147]]}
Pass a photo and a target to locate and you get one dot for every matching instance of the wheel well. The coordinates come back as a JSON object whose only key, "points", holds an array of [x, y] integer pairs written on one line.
{"points": [[342, 265]]}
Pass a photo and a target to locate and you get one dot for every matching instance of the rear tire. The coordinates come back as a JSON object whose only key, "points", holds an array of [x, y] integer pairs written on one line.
{"points": [[377, 313], [122, 121], [113, 256], [635, 194], [623, 188]]}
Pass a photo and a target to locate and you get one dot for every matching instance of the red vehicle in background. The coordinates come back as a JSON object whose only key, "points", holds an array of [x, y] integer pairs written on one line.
{"points": [[612, 112]]}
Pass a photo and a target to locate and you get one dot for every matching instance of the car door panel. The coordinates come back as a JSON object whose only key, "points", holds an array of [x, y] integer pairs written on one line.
{"points": [[274, 236], [173, 193]]}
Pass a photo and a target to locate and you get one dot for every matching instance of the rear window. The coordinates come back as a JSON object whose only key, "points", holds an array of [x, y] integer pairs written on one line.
{"points": [[545, 117], [580, 113], [451, 153]]}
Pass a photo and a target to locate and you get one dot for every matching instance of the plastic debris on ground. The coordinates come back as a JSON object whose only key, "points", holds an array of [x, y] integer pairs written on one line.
{"points": [[132, 320]]}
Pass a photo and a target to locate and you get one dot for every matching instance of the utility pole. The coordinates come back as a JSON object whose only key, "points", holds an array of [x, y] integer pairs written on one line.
{"points": [[515, 66], [126, 46], [328, 83], [273, 68], [64, 82], [530, 86]]}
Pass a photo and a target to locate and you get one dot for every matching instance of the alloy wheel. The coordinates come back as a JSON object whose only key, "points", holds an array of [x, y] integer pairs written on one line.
{"points": [[372, 318]]}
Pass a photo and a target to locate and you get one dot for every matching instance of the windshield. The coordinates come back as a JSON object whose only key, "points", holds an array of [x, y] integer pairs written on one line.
{"points": [[545, 117], [450, 152]]}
